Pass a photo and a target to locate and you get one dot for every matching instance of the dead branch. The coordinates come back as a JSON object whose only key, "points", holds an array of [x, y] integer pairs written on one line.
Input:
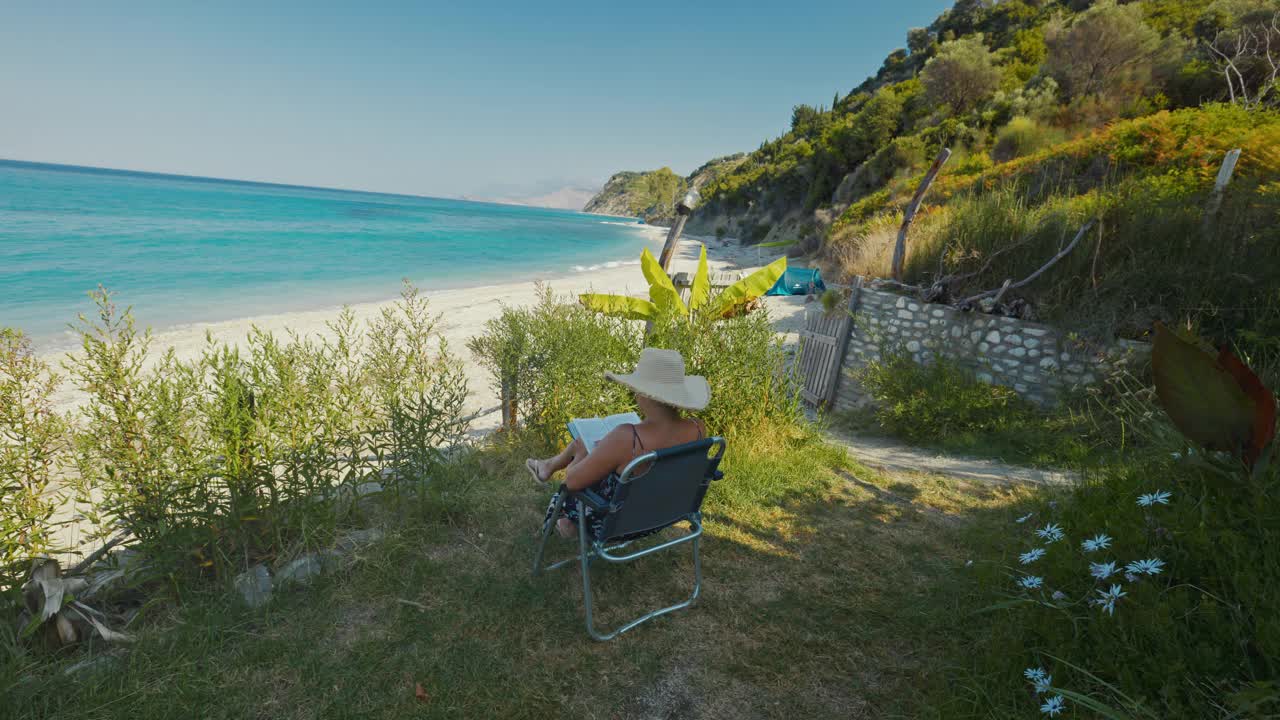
{"points": [[999, 292], [900, 249]]}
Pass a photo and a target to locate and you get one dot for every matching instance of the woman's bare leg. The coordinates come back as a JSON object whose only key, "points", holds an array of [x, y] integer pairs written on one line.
{"points": [[552, 465]]}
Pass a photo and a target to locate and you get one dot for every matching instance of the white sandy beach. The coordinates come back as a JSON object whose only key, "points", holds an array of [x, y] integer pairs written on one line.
{"points": [[463, 315]]}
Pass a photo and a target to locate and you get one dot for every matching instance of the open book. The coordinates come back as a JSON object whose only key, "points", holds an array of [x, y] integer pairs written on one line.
{"points": [[592, 430]]}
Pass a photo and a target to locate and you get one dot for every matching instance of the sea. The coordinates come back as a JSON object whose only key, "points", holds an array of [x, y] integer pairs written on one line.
{"points": [[182, 250]]}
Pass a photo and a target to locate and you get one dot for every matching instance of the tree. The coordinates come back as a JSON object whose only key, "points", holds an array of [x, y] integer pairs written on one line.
{"points": [[961, 75], [806, 119], [919, 40], [1248, 57], [1107, 51]]}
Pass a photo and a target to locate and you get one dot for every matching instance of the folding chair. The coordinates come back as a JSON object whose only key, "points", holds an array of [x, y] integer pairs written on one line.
{"points": [[670, 491]]}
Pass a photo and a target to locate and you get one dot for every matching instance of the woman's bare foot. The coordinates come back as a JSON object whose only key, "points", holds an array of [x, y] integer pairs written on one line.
{"points": [[538, 469], [566, 528]]}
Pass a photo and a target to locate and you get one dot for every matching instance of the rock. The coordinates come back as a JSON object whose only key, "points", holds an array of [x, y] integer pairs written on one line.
{"points": [[1049, 364], [1013, 339], [90, 665], [301, 570], [987, 305], [993, 337], [358, 538], [1018, 352], [913, 346], [254, 586], [985, 378]]}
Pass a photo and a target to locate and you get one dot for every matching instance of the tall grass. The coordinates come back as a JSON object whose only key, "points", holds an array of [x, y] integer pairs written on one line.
{"points": [[1154, 254]]}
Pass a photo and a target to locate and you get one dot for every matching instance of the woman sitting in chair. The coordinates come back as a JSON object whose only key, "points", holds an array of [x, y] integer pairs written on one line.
{"points": [[661, 391]]}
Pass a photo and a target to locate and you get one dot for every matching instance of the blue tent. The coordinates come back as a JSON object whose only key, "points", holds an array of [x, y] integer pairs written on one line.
{"points": [[798, 281]]}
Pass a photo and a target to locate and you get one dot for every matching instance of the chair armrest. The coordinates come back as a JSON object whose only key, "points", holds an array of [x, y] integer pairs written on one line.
{"points": [[592, 498]]}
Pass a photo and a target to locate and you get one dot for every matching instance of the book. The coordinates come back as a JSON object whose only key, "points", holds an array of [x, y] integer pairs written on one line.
{"points": [[592, 430]]}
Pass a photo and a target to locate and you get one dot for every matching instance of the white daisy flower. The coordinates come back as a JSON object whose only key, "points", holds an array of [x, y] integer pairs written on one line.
{"points": [[1102, 571], [1031, 582], [1059, 595], [1024, 518], [1150, 566], [1130, 577], [1097, 542], [1050, 533], [1031, 556], [1035, 674], [1043, 685], [1053, 706], [1159, 497], [1108, 598]]}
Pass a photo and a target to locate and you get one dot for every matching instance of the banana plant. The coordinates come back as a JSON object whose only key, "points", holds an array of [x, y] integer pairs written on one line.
{"points": [[664, 298]]}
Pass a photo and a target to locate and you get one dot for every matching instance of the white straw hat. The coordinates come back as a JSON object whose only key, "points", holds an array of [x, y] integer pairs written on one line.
{"points": [[660, 376]]}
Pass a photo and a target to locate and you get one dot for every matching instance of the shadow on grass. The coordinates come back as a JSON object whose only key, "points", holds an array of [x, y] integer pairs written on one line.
{"points": [[829, 591]]}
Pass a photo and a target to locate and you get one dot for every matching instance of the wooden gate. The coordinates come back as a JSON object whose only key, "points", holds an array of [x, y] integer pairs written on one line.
{"points": [[823, 344]]}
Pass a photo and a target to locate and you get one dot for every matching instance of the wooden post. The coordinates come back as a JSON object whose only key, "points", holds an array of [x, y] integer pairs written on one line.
{"points": [[1225, 173], [900, 250], [673, 237], [855, 296]]}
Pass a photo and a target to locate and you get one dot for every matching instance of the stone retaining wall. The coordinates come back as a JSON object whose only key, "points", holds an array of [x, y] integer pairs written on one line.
{"points": [[1037, 361]]}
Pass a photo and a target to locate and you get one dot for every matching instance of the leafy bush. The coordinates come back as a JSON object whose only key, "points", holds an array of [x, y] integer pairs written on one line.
{"points": [[940, 404], [962, 74], [1108, 50], [552, 357], [1023, 136], [558, 351], [32, 438], [922, 402], [235, 456]]}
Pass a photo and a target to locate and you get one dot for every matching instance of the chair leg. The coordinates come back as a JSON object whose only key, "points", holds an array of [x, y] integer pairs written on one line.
{"points": [[547, 527], [586, 591]]}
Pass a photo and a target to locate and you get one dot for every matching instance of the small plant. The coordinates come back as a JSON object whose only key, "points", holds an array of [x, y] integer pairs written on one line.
{"points": [[831, 300]]}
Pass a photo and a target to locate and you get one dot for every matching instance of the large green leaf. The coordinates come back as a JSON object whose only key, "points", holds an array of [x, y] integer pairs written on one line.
{"points": [[749, 288], [1201, 397], [662, 291], [631, 308], [700, 290]]}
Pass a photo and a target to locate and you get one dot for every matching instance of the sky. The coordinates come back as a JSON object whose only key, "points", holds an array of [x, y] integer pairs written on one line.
{"points": [[468, 98]]}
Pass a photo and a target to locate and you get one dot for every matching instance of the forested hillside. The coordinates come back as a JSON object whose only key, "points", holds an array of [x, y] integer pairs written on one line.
{"points": [[1057, 112]]}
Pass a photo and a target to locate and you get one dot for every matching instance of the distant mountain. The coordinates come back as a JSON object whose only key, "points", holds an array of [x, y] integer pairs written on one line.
{"points": [[652, 195], [566, 198]]}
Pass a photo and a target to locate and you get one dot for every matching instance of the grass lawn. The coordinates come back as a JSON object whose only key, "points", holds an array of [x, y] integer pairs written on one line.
{"points": [[829, 591]]}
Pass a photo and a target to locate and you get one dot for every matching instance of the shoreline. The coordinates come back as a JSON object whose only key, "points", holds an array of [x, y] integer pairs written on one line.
{"points": [[463, 313]]}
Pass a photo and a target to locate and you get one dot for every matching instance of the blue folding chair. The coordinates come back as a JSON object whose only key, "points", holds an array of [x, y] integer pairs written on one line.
{"points": [[644, 501]]}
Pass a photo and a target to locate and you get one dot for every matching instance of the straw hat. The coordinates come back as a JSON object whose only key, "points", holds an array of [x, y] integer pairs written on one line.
{"points": [[660, 376]]}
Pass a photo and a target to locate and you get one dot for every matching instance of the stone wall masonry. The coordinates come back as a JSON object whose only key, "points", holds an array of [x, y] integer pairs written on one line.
{"points": [[1039, 362]]}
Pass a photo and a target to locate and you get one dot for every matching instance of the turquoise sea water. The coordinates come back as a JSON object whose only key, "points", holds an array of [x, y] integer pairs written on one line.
{"points": [[183, 250]]}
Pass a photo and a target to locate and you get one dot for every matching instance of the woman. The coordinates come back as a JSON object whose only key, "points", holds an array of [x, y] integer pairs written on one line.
{"points": [[661, 391]]}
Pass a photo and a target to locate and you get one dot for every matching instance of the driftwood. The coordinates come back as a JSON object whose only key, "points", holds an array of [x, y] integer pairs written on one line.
{"points": [[1028, 279], [900, 249]]}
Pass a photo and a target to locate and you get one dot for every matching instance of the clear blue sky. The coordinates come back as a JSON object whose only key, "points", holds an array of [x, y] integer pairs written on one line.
{"points": [[462, 98]]}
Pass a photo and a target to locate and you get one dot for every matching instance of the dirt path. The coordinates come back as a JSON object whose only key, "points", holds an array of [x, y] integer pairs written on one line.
{"points": [[890, 456]]}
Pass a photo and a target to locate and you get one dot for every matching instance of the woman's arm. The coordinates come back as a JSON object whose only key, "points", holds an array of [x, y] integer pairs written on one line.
{"points": [[609, 453]]}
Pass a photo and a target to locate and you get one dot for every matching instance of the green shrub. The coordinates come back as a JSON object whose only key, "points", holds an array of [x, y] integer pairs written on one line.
{"points": [[935, 400], [32, 438], [1023, 136], [235, 456], [557, 353], [549, 359]]}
